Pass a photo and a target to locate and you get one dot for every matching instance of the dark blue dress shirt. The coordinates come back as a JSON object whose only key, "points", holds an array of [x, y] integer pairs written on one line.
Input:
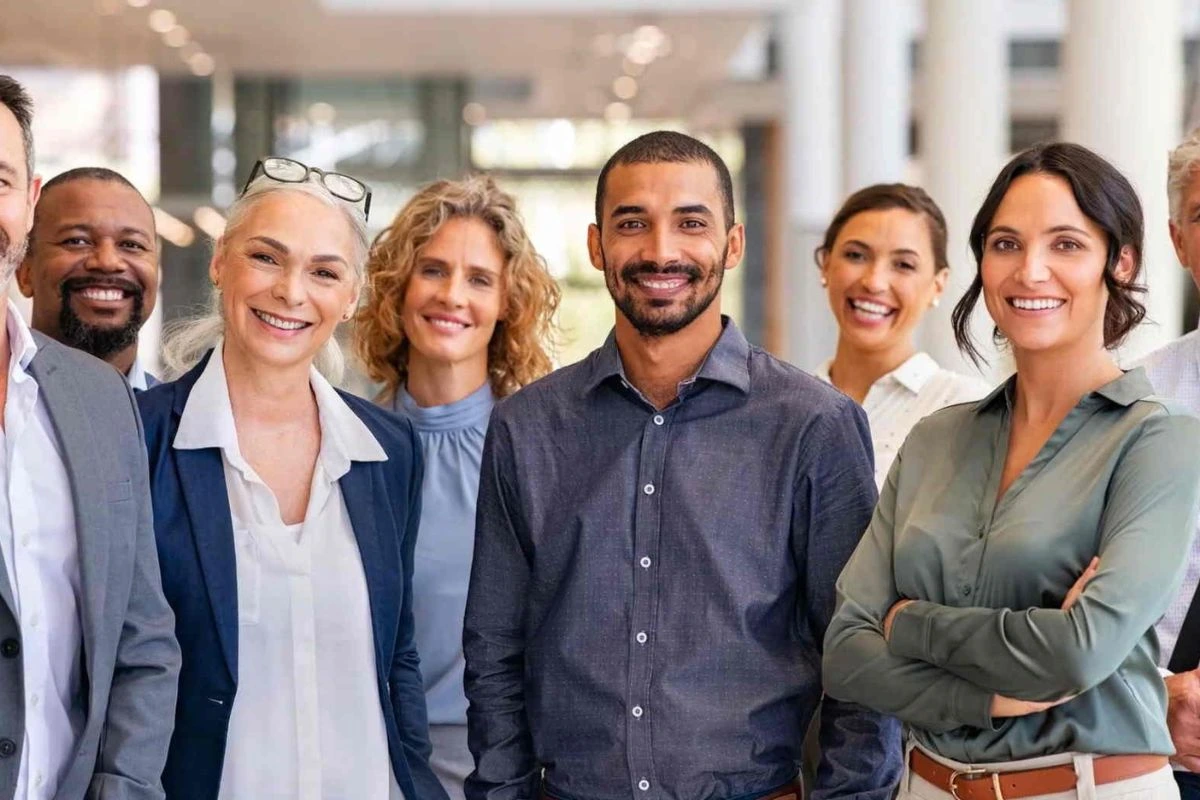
{"points": [[650, 589]]}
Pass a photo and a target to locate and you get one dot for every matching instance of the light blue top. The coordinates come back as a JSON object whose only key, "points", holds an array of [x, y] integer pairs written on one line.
{"points": [[452, 443]]}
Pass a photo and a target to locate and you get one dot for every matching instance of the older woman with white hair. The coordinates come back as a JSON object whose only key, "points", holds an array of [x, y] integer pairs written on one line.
{"points": [[286, 515]]}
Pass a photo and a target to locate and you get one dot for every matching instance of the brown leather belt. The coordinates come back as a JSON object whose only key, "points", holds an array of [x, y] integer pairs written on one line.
{"points": [[980, 784], [792, 791]]}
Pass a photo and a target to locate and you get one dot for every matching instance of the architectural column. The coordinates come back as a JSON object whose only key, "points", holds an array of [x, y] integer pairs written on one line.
{"points": [[810, 52], [963, 141], [877, 89], [1123, 97]]}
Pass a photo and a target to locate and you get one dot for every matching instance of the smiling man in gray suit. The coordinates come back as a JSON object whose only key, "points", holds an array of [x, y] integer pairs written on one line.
{"points": [[88, 657]]}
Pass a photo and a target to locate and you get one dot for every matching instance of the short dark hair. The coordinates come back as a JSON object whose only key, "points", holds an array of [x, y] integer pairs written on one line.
{"points": [[87, 174], [14, 97], [885, 196], [668, 147], [84, 174], [1105, 197]]}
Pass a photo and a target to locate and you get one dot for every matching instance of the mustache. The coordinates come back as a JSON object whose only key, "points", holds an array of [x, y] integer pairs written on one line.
{"points": [[637, 269], [124, 284]]}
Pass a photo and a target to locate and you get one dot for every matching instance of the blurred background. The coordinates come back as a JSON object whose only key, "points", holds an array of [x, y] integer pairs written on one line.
{"points": [[807, 100]]}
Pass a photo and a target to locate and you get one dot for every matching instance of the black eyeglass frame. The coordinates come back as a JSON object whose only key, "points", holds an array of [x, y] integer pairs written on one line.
{"points": [[260, 168]]}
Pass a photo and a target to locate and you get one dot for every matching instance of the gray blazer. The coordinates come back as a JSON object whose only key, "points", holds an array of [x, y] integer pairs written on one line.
{"points": [[130, 656]]}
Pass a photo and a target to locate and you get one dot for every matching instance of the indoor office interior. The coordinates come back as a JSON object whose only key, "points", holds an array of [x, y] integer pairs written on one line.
{"points": [[806, 100]]}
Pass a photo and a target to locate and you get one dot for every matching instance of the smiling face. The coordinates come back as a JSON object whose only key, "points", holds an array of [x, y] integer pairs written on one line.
{"points": [[286, 278], [1185, 233], [1043, 269], [881, 277], [18, 194], [92, 270], [455, 295], [663, 247]]}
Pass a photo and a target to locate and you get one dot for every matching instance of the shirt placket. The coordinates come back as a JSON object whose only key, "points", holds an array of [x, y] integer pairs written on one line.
{"points": [[646, 530], [295, 562], [304, 651], [29, 594]]}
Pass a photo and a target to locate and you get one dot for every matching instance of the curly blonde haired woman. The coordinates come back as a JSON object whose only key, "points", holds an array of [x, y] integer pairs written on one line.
{"points": [[460, 309]]}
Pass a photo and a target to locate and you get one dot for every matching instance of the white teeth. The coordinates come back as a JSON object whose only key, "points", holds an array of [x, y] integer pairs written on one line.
{"points": [[871, 308], [1037, 303], [96, 293], [673, 283], [282, 324], [447, 324]]}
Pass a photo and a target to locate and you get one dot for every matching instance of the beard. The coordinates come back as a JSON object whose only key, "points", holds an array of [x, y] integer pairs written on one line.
{"points": [[11, 256], [655, 317], [100, 341]]}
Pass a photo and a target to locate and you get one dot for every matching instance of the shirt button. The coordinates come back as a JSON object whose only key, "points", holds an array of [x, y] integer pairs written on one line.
{"points": [[25, 540], [34, 700], [37, 781], [637, 711], [645, 562], [644, 785], [33, 620], [648, 488], [658, 419], [641, 637], [966, 590]]}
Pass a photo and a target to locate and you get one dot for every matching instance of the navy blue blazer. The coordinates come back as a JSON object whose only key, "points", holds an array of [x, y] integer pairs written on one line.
{"points": [[194, 530]]}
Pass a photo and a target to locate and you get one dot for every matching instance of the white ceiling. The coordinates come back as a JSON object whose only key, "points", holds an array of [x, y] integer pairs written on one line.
{"points": [[554, 52]]}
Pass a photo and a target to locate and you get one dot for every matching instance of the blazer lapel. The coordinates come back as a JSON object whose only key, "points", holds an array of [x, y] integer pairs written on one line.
{"points": [[381, 563], [202, 476], [6, 595], [85, 465]]}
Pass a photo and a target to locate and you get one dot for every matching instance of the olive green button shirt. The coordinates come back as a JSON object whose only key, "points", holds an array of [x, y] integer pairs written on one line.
{"points": [[1119, 478]]}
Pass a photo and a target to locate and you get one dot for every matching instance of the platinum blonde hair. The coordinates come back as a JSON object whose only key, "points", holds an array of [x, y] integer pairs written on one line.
{"points": [[1181, 163], [188, 340]]}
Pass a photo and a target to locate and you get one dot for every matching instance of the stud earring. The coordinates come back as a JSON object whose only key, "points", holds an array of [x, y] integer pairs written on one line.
{"points": [[935, 302], [824, 282]]}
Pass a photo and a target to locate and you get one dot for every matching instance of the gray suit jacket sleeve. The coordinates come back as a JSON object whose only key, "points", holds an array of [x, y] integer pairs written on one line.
{"points": [[141, 705]]}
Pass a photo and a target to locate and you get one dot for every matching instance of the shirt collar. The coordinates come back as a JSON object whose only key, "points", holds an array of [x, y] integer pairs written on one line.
{"points": [[727, 362], [913, 374], [1125, 390], [137, 376], [21, 345], [207, 421]]}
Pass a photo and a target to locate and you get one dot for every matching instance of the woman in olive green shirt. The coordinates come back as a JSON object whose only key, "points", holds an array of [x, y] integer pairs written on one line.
{"points": [[1002, 601]]}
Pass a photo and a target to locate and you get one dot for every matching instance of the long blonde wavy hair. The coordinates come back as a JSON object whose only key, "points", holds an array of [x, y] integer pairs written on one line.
{"points": [[517, 352]]}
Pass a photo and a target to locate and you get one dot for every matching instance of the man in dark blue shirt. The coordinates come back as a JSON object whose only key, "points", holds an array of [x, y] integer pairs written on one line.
{"points": [[659, 530]]}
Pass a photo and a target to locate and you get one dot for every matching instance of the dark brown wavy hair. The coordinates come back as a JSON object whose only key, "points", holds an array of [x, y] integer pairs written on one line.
{"points": [[1105, 196]]}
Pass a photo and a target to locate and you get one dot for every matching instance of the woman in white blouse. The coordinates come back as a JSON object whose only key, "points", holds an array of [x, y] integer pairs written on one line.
{"points": [[883, 264], [286, 516]]}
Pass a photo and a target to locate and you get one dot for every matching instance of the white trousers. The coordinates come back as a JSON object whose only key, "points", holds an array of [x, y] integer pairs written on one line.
{"points": [[1157, 785]]}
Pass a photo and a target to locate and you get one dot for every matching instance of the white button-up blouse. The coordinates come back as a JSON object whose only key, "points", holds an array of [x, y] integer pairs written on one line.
{"points": [[899, 400], [307, 721]]}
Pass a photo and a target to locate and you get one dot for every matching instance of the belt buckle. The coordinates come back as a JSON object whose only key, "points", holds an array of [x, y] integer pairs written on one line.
{"points": [[972, 772]]}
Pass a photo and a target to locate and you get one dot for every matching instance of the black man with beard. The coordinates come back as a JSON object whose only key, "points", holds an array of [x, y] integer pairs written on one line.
{"points": [[92, 267]]}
